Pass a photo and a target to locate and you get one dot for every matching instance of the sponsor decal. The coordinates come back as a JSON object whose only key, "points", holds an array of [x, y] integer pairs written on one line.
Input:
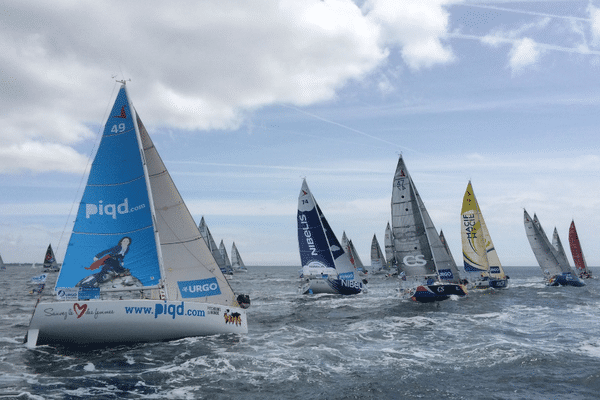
{"points": [[233, 318], [172, 310], [308, 235], [347, 275], [88, 293], [446, 274], [414, 261], [67, 294], [351, 284], [494, 270], [213, 310], [316, 264], [78, 311], [111, 210], [199, 288]]}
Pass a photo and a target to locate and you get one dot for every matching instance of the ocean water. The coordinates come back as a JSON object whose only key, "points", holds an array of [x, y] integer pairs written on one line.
{"points": [[527, 342]]}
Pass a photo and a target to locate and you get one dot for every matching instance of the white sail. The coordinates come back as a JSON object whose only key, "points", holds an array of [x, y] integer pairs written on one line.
{"points": [[225, 256], [560, 250], [236, 260], [542, 249], [378, 262], [212, 245], [389, 247], [417, 245]]}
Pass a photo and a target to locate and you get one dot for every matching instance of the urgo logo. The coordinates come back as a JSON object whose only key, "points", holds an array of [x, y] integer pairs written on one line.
{"points": [[110, 209]]}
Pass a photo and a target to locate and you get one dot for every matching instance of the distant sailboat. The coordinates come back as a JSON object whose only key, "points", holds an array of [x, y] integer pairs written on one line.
{"points": [[479, 254], [225, 256], [2, 265], [50, 264], [430, 273], [212, 246], [555, 272], [378, 263], [153, 277], [353, 254], [236, 260], [577, 253], [392, 265], [326, 267]]}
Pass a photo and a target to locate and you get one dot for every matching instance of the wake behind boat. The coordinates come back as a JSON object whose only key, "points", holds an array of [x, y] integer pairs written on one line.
{"points": [[429, 273], [555, 272], [133, 226], [479, 254], [326, 267]]}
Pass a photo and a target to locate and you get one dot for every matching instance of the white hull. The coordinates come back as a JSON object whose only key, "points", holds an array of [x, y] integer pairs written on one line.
{"points": [[316, 285], [122, 321]]}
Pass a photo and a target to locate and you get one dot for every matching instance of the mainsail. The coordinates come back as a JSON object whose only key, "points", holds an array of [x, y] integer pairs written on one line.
{"points": [[49, 260], [236, 259], [225, 256], [318, 245], [560, 250], [212, 246], [576, 252], [418, 249], [542, 249], [378, 263], [479, 253], [389, 247]]}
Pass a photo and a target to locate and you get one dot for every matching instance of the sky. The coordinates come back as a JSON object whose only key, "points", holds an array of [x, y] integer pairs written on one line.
{"points": [[244, 99]]}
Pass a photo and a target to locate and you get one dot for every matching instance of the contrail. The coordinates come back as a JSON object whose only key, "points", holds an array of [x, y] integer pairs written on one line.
{"points": [[347, 127], [539, 14]]}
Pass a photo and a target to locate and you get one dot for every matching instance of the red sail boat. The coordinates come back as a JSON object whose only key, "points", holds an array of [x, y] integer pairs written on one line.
{"points": [[578, 257]]}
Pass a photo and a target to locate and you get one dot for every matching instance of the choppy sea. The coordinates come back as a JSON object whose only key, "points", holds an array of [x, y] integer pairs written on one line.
{"points": [[527, 342]]}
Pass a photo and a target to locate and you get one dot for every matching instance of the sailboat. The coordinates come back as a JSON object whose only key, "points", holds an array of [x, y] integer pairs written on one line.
{"points": [[577, 253], [236, 260], [555, 272], [2, 266], [136, 268], [326, 267], [50, 264], [212, 246], [378, 263], [429, 273], [353, 254], [479, 254], [225, 256], [388, 243]]}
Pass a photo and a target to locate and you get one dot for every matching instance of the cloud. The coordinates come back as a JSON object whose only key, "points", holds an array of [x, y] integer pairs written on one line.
{"points": [[524, 53], [40, 157], [417, 27], [594, 24]]}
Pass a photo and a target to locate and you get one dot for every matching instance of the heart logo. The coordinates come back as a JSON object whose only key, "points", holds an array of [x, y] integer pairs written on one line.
{"points": [[79, 310]]}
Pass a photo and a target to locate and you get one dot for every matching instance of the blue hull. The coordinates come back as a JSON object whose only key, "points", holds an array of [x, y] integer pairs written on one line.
{"points": [[565, 279], [499, 283], [431, 293]]}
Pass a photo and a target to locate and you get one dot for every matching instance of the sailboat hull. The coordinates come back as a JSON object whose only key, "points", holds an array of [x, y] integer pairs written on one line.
{"points": [[315, 285], [127, 321], [431, 293], [565, 279]]}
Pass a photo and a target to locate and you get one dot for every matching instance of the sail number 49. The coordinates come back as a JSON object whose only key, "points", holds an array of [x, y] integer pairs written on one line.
{"points": [[118, 128]]}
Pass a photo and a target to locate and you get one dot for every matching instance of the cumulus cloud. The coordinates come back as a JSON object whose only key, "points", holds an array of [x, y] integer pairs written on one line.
{"points": [[195, 65], [524, 53], [40, 157]]}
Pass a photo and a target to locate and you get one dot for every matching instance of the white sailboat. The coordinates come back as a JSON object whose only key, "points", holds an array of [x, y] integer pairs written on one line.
{"points": [[236, 260], [2, 265], [479, 254], [326, 267], [353, 254], [555, 272], [154, 278], [378, 262], [212, 246], [391, 264], [430, 274], [50, 264], [225, 256]]}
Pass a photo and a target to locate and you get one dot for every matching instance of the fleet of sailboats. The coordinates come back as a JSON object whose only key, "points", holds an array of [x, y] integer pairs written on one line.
{"points": [[136, 267], [556, 271]]}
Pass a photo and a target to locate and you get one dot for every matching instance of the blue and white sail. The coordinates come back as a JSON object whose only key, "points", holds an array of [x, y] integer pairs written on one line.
{"points": [[325, 264], [135, 236]]}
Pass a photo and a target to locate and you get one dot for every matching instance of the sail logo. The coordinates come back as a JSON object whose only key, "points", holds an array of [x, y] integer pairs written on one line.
{"points": [[446, 274], [199, 288], [400, 184], [308, 235], [110, 209], [414, 261]]}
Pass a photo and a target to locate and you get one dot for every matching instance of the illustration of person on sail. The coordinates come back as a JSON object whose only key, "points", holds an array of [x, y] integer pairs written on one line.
{"points": [[111, 261]]}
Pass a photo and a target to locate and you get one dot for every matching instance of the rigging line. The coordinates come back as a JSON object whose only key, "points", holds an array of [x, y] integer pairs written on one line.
{"points": [[99, 137], [347, 127]]}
